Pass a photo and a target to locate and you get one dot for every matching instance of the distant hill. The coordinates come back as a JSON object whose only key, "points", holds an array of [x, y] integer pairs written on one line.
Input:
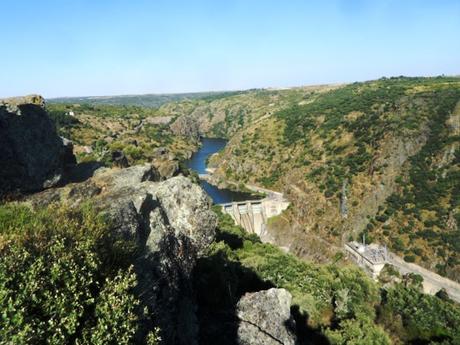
{"points": [[148, 100]]}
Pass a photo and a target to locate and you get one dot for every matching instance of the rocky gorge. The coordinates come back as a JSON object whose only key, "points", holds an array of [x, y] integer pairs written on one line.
{"points": [[168, 220]]}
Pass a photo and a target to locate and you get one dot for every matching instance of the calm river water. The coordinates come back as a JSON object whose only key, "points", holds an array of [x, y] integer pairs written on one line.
{"points": [[198, 163]]}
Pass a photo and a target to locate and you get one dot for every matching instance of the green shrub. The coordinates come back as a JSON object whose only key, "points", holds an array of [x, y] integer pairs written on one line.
{"points": [[63, 279], [409, 258]]}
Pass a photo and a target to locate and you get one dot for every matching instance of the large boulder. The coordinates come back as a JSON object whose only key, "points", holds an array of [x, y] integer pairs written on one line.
{"points": [[265, 318], [170, 222], [165, 163], [32, 155]]}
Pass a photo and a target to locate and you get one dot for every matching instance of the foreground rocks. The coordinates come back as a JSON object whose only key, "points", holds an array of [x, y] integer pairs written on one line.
{"points": [[163, 216], [32, 155], [265, 318], [169, 222]]}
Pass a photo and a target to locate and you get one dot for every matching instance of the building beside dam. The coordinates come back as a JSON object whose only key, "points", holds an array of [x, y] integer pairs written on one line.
{"points": [[372, 258]]}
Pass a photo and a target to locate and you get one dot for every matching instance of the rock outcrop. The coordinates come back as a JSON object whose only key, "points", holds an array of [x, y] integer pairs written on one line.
{"points": [[265, 318], [187, 127], [32, 155], [170, 223], [165, 163]]}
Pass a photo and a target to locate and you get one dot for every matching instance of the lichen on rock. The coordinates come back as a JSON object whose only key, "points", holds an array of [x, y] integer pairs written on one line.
{"points": [[265, 318]]}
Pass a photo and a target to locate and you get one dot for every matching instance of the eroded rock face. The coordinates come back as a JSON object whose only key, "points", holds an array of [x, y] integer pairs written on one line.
{"points": [[32, 155], [170, 222], [186, 126], [265, 318]]}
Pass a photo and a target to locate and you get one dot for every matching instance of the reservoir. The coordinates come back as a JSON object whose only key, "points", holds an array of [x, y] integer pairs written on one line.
{"points": [[197, 163]]}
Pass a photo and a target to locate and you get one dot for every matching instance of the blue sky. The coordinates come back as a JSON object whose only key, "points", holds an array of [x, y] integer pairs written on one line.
{"points": [[106, 47]]}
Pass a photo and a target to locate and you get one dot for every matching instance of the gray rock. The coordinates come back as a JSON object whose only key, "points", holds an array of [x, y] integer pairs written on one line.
{"points": [[166, 168], [265, 318], [32, 155], [170, 223], [186, 126], [160, 151], [178, 192]]}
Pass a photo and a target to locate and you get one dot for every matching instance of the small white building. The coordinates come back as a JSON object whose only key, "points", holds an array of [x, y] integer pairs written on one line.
{"points": [[372, 258]]}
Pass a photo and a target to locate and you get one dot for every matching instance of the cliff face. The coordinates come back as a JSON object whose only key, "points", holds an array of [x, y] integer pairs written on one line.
{"points": [[32, 155]]}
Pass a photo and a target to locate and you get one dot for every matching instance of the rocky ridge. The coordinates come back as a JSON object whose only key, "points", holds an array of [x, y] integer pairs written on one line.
{"points": [[169, 222]]}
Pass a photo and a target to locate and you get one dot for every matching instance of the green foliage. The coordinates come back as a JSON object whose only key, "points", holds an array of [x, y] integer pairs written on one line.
{"points": [[61, 119], [358, 332], [325, 293], [63, 279], [368, 111], [409, 258], [424, 317], [431, 187], [115, 313], [340, 301]]}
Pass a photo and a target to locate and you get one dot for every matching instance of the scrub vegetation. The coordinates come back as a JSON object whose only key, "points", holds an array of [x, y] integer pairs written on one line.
{"points": [[63, 279], [334, 303]]}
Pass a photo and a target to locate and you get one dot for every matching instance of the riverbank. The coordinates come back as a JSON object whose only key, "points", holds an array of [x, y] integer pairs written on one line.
{"points": [[220, 193]]}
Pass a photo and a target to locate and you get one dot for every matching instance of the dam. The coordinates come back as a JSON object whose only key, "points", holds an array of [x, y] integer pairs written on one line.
{"points": [[252, 215], [246, 211]]}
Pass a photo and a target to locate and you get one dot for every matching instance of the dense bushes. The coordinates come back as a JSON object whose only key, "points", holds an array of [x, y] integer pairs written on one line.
{"points": [[63, 279], [62, 120], [340, 302], [367, 111], [420, 318], [426, 201]]}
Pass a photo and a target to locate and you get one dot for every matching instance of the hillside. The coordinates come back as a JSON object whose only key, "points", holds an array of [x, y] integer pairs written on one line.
{"points": [[131, 255], [378, 158], [149, 100], [113, 134]]}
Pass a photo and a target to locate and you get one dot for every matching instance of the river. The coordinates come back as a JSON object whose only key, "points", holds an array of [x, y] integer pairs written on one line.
{"points": [[198, 163]]}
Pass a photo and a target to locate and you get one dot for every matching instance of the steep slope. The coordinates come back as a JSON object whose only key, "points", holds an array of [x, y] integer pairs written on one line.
{"points": [[226, 116], [379, 158]]}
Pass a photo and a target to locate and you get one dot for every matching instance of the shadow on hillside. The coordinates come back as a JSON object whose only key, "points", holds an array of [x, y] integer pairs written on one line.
{"points": [[305, 333], [232, 240], [432, 340], [219, 284], [81, 172]]}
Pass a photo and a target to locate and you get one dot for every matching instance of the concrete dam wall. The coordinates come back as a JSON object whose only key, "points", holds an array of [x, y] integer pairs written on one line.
{"points": [[252, 215]]}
